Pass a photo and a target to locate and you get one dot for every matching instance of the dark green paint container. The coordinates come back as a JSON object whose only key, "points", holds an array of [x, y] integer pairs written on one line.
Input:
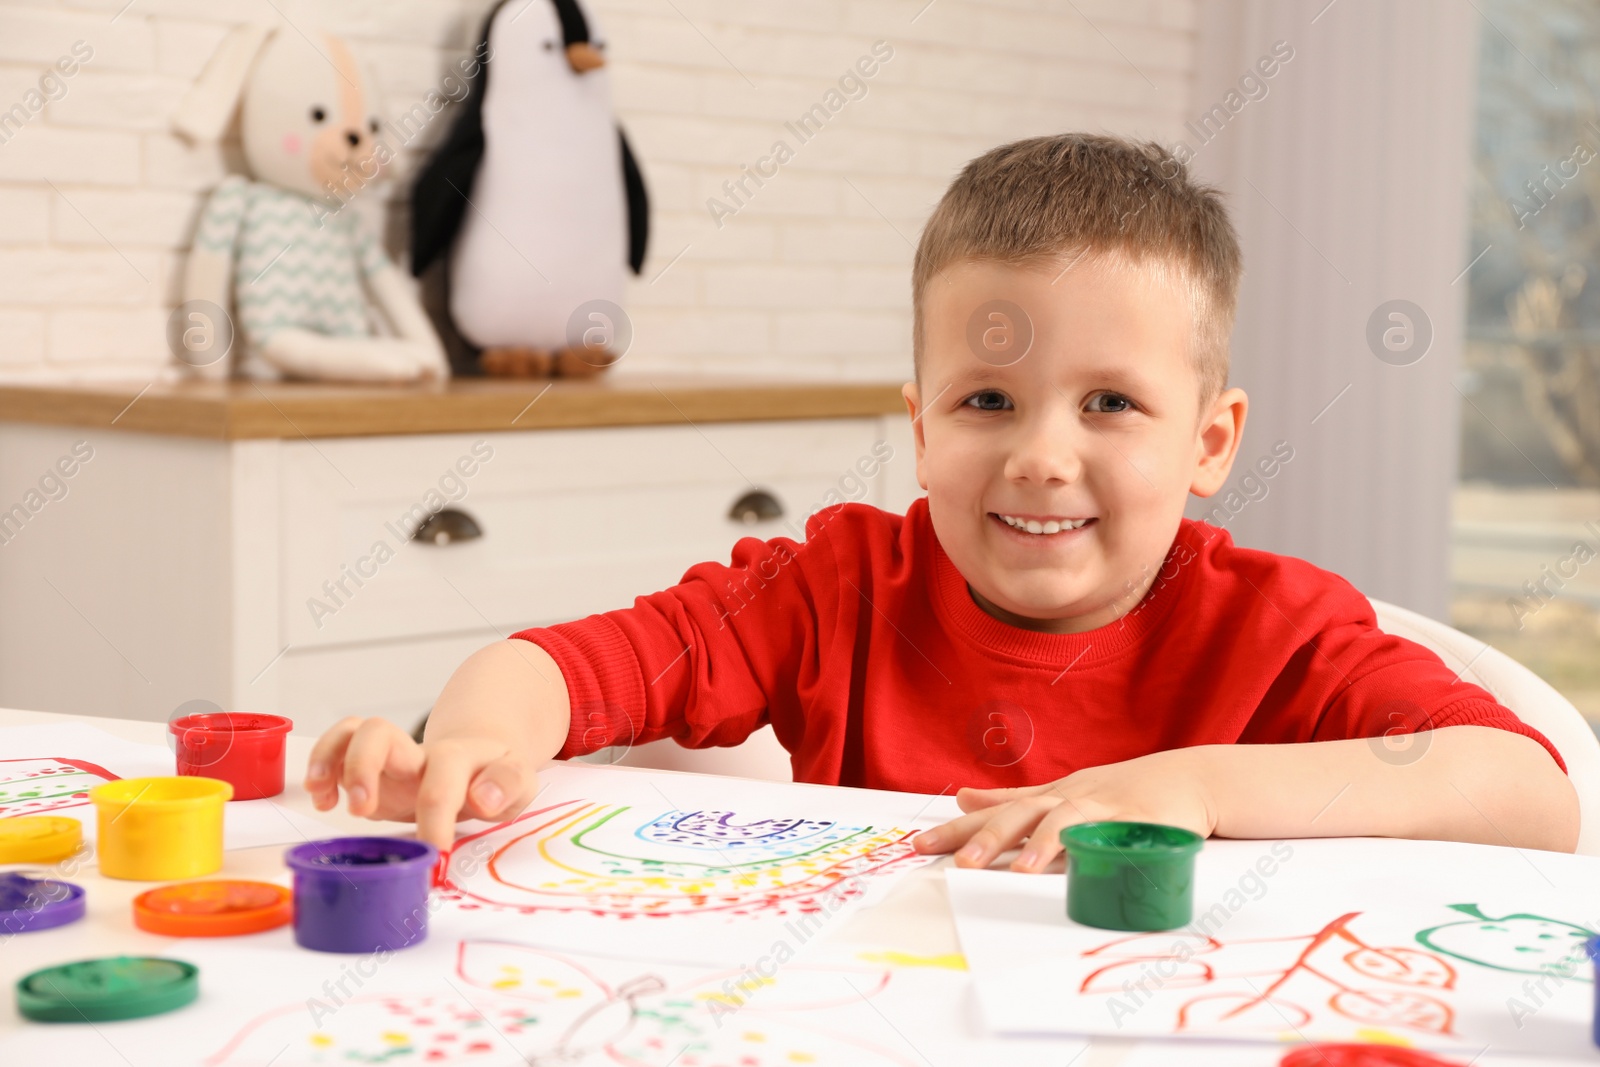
{"points": [[1130, 875]]}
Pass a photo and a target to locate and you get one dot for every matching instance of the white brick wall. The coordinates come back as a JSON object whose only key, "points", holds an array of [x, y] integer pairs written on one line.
{"points": [[810, 278]]}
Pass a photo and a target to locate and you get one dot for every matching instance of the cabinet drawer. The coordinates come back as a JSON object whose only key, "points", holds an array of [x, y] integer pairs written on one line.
{"points": [[394, 680], [573, 521]]}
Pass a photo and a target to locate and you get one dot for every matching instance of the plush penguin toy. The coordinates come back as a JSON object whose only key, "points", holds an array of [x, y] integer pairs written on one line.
{"points": [[535, 199]]}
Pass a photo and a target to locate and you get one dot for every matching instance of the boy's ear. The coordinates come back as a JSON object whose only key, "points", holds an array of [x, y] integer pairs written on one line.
{"points": [[913, 397], [1221, 429]]}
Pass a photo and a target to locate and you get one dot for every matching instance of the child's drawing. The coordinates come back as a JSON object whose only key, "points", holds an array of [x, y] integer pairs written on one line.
{"points": [[516, 1004], [1278, 985], [1520, 943], [626, 861], [38, 786]]}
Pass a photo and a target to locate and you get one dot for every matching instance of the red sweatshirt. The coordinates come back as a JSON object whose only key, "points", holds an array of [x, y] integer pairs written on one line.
{"points": [[865, 650]]}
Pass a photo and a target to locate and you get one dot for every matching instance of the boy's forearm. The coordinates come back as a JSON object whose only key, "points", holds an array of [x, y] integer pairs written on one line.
{"points": [[511, 690], [1460, 783]]}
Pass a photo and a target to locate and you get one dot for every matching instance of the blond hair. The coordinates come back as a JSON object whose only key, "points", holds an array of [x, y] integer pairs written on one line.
{"points": [[1079, 195]]}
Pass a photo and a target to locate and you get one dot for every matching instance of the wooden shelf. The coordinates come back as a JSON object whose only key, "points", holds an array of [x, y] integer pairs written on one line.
{"points": [[232, 411]]}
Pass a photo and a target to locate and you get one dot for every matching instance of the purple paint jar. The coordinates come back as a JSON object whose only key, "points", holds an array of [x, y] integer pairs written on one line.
{"points": [[361, 894], [1591, 949]]}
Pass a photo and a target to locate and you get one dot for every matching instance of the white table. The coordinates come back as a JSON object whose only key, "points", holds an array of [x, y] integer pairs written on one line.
{"points": [[915, 916]]}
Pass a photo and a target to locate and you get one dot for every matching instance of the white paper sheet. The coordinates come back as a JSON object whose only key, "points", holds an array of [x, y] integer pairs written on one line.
{"points": [[1440, 945], [478, 993], [687, 868], [24, 749], [930, 1004]]}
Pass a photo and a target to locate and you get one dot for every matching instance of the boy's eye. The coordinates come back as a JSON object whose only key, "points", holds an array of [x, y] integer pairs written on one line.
{"points": [[988, 400], [1110, 403]]}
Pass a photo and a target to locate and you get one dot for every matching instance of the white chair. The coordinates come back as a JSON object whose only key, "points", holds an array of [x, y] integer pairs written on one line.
{"points": [[1525, 693]]}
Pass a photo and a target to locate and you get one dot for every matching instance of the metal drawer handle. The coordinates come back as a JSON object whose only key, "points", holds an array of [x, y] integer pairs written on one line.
{"points": [[758, 505], [447, 527]]}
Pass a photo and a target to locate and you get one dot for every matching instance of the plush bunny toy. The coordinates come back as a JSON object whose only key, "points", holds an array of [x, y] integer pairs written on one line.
{"points": [[304, 271]]}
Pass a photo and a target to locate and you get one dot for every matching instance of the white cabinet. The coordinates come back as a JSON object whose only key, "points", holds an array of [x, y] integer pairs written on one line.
{"points": [[278, 574]]}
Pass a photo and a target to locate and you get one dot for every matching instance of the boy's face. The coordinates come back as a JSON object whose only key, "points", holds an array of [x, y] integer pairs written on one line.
{"points": [[1098, 421]]}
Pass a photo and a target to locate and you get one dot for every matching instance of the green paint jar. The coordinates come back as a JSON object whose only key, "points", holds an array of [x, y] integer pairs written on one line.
{"points": [[1130, 875]]}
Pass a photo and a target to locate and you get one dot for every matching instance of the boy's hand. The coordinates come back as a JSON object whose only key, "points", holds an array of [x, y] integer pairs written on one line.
{"points": [[386, 775], [1160, 788]]}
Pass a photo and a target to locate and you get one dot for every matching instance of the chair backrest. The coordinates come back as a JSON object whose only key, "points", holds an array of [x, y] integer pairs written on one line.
{"points": [[1525, 693]]}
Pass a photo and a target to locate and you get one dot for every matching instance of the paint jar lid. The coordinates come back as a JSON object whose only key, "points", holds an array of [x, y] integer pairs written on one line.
{"points": [[28, 904], [205, 740], [361, 857], [230, 723], [39, 838], [117, 987], [217, 908], [1132, 841], [163, 794]]}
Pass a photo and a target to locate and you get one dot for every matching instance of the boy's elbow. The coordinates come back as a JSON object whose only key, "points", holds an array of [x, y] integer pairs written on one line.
{"points": [[1529, 802], [1572, 818], [1565, 818]]}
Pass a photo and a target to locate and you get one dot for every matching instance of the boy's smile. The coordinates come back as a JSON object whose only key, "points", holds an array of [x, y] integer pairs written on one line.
{"points": [[1056, 479]]}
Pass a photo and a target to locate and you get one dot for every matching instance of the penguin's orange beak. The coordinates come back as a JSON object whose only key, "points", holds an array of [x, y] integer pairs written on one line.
{"points": [[584, 57]]}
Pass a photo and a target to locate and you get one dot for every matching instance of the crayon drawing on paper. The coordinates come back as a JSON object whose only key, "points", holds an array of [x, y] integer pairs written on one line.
{"points": [[1329, 980], [513, 1003], [634, 862], [40, 786]]}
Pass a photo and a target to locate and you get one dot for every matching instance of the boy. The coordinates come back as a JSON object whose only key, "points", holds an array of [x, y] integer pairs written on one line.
{"points": [[1072, 300]]}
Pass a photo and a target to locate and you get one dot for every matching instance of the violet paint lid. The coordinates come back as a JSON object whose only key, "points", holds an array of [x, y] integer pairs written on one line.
{"points": [[28, 903], [361, 857]]}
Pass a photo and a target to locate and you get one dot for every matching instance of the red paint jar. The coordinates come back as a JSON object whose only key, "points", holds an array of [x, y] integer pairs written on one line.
{"points": [[241, 748]]}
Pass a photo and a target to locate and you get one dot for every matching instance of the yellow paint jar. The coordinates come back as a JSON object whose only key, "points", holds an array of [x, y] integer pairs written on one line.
{"points": [[158, 829]]}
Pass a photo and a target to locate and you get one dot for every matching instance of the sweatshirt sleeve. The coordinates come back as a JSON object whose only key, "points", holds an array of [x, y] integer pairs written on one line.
{"points": [[1380, 685], [705, 662]]}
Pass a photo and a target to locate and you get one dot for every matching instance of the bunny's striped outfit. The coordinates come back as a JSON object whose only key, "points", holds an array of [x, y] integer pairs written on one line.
{"points": [[296, 263]]}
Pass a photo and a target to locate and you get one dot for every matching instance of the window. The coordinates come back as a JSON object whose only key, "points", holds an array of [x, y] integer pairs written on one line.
{"points": [[1526, 537]]}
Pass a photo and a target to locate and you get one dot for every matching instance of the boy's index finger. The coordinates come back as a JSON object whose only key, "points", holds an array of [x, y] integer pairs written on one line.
{"points": [[441, 795]]}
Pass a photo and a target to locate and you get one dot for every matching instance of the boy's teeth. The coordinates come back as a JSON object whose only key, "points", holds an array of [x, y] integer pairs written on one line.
{"points": [[1034, 526]]}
